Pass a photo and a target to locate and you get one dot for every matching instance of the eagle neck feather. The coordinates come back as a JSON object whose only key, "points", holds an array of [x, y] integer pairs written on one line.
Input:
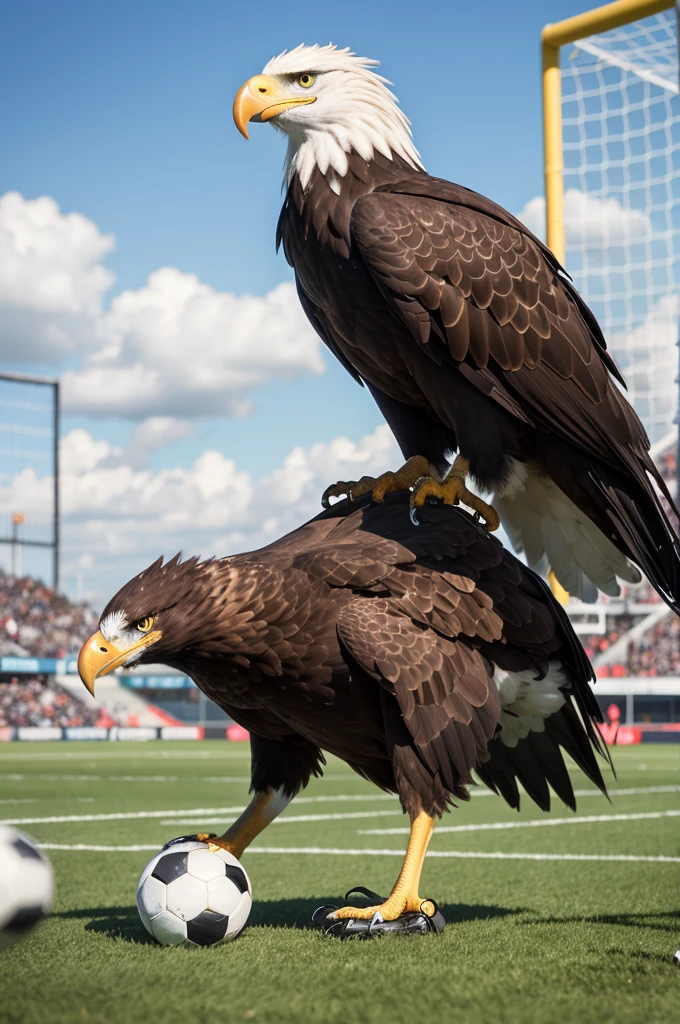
{"points": [[325, 203]]}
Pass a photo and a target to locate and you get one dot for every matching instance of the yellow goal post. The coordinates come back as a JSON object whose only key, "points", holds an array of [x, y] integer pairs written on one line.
{"points": [[611, 123], [553, 38]]}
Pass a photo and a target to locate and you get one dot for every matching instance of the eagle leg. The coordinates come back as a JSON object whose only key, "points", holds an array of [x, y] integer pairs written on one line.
{"points": [[451, 491], [260, 812], [412, 470], [404, 896]]}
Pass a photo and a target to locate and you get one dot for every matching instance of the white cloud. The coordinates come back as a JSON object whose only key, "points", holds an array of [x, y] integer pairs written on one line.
{"points": [[151, 435], [53, 280], [123, 517], [648, 358], [588, 220], [175, 347], [179, 346]]}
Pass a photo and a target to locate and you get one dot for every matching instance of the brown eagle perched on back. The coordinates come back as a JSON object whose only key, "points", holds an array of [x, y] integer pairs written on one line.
{"points": [[466, 330], [415, 654]]}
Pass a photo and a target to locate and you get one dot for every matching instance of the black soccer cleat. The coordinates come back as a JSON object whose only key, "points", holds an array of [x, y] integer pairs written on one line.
{"points": [[410, 923]]}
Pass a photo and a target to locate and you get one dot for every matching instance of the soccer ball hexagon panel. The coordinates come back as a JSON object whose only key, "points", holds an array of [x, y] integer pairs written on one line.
{"points": [[192, 895], [26, 885]]}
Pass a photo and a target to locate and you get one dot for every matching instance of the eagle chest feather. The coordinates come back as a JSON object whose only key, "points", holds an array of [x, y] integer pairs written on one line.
{"points": [[336, 289]]}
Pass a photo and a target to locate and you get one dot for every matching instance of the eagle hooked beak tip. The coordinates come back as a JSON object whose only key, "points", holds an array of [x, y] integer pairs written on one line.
{"points": [[260, 99], [99, 656]]}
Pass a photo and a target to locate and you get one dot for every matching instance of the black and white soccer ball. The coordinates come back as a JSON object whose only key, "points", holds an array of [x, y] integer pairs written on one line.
{"points": [[193, 894], [26, 885]]}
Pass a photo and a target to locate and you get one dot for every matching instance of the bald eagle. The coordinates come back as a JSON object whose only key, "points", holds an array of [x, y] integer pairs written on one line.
{"points": [[466, 330], [416, 655]]}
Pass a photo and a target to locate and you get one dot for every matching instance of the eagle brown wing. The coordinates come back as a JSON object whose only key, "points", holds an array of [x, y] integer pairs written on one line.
{"points": [[409, 644], [477, 288], [434, 608]]}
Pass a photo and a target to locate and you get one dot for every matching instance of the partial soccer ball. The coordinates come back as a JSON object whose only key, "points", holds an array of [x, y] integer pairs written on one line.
{"points": [[26, 885], [193, 895]]}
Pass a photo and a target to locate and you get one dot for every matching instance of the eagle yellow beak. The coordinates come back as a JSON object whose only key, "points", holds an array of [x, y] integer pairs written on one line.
{"points": [[98, 656], [260, 99]]}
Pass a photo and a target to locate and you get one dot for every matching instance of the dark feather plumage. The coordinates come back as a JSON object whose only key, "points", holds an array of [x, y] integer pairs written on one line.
{"points": [[362, 635], [471, 337]]}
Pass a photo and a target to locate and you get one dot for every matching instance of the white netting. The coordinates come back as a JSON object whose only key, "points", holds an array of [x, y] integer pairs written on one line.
{"points": [[27, 450], [621, 136]]}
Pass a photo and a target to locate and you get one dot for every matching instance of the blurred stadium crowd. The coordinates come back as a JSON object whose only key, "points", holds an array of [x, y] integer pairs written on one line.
{"points": [[658, 653], [31, 701], [655, 653], [35, 622]]}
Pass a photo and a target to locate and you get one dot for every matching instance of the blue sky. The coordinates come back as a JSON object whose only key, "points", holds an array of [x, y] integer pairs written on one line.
{"points": [[122, 112]]}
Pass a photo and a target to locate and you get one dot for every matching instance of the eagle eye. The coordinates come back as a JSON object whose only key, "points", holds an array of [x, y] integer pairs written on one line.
{"points": [[306, 80], [145, 624]]}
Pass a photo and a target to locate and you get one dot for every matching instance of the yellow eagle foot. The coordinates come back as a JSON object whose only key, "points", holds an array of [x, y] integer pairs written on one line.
{"points": [[392, 908], [212, 841], [403, 906], [216, 842], [404, 478], [452, 491]]}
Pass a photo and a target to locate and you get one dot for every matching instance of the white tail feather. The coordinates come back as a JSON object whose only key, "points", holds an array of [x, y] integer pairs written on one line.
{"points": [[542, 521], [526, 701]]}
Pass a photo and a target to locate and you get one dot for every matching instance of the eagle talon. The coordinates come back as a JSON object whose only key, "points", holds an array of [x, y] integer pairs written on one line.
{"points": [[338, 490], [215, 842], [452, 491], [391, 909], [350, 489], [379, 487]]}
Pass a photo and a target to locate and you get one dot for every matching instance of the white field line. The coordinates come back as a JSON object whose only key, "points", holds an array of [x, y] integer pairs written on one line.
{"points": [[487, 826], [131, 750], [296, 819], [493, 826], [137, 751], [25, 800], [192, 814], [630, 791], [344, 777], [467, 855], [105, 777], [56, 777], [191, 811], [633, 791], [339, 852], [117, 816]]}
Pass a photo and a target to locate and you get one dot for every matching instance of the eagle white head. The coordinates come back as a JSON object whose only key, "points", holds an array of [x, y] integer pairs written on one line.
{"points": [[329, 102]]}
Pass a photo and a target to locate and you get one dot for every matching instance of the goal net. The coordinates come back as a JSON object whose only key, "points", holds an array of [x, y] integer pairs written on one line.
{"points": [[621, 145], [28, 503]]}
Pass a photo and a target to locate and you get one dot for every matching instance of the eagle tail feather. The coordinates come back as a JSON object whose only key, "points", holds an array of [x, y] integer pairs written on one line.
{"points": [[595, 524], [642, 528], [537, 761]]}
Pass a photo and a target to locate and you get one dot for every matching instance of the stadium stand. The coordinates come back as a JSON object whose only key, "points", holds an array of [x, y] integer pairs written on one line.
{"points": [[658, 653], [37, 702], [636, 644], [35, 621]]}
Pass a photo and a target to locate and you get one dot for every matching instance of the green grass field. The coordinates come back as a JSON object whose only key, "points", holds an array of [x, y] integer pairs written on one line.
{"points": [[532, 935]]}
